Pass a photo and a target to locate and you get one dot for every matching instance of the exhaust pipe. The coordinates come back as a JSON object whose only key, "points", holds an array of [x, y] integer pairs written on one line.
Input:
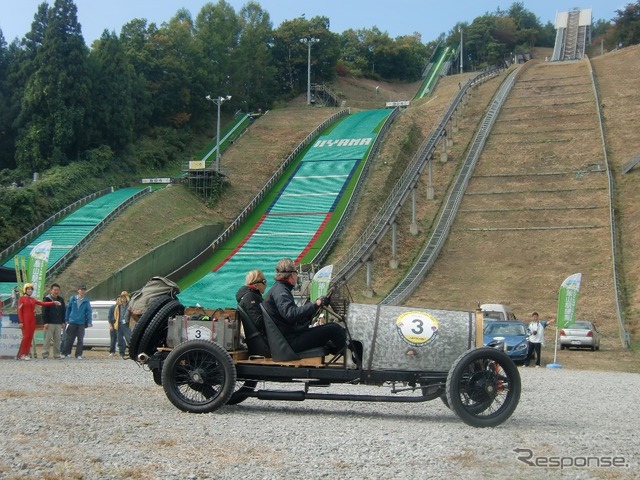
{"points": [[143, 357]]}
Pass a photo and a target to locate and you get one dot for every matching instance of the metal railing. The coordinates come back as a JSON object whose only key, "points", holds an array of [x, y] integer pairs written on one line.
{"points": [[224, 236], [429, 254], [335, 234], [624, 334], [240, 123], [347, 265], [67, 257], [24, 240]]}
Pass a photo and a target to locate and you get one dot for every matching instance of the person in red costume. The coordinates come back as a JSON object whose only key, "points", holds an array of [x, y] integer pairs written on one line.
{"points": [[27, 318]]}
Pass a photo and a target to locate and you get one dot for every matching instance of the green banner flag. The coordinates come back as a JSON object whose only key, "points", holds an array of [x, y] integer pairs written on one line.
{"points": [[567, 300], [320, 282], [37, 269]]}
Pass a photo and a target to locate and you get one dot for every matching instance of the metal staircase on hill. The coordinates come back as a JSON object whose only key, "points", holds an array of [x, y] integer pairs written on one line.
{"points": [[428, 256], [360, 252], [363, 248], [573, 34]]}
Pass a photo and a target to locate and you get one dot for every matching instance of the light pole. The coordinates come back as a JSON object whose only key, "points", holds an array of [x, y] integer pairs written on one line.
{"points": [[308, 42], [461, 50], [218, 101]]}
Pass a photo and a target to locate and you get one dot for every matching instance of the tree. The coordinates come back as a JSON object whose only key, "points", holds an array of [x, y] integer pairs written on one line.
{"points": [[134, 38], [112, 116], [291, 55], [217, 33], [6, 144], [254, 72], [55, 96], [627, 24], [174, 54]]}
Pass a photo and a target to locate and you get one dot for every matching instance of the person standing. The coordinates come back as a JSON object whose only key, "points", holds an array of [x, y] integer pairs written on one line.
{"points": [[78, 316], [53, 319], [27, 319], [121, 317], [113, 333], [536, 339]]}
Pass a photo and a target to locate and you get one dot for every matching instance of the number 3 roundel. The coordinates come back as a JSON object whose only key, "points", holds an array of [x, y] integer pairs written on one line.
{"points": [[417, 328]]}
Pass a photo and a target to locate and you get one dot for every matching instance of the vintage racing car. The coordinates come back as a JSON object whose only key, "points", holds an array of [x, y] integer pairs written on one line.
{"points": [[420, 354]]}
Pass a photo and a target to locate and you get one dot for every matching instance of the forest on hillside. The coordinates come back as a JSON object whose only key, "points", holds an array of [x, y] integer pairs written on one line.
{"points": [[85, 116]]}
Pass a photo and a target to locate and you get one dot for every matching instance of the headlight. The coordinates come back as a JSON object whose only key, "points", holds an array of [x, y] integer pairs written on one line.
{"points": [[520, 346]]}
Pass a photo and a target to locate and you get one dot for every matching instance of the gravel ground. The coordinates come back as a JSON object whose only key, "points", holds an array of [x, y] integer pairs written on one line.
{"points": [[102, 418]]}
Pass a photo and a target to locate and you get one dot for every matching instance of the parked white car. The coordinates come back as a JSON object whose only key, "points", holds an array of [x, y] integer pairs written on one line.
{"points": [[98, 335]]}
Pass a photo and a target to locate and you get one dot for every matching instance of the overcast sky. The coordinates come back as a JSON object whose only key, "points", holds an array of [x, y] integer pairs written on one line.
{"points": [[397, 17]]}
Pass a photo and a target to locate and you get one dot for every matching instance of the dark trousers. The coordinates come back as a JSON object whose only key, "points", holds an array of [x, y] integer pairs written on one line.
{"points": [[114, 339], [74, 330], [533, 347], [331, 335], [124, 337]]}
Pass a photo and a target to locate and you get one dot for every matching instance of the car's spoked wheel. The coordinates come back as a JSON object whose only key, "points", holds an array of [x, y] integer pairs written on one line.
{"points": [[198, 376], [242, 391], [483, 387]]}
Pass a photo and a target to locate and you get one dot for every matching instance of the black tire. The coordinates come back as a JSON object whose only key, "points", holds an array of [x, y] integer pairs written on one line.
{"points": [[198, 376], [483, 387], [155, 335], [242, 391], [153, 308], [443, 397]]}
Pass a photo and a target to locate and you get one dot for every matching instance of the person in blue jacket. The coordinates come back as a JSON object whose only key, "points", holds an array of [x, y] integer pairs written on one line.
{"points": [[77, 317]]}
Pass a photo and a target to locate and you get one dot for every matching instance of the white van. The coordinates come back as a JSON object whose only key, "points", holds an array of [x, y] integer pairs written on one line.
{"points": [[497, 311]]}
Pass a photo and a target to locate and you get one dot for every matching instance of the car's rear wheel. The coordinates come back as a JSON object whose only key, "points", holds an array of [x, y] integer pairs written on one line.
{"points": [[483, 387], [198, 376]]}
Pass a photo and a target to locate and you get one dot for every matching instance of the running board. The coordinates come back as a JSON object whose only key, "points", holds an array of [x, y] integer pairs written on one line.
{"points": [[300, 395]]}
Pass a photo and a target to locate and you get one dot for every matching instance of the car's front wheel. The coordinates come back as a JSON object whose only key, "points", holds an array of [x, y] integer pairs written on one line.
{"points": [[483, 387]]}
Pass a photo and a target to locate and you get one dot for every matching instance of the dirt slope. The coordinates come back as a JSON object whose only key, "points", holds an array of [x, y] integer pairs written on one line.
{"points": [[536, 209], [617, 79]]}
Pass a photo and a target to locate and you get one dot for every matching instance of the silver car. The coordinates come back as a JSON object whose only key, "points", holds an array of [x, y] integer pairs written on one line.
{"points": [[580, 334]]}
